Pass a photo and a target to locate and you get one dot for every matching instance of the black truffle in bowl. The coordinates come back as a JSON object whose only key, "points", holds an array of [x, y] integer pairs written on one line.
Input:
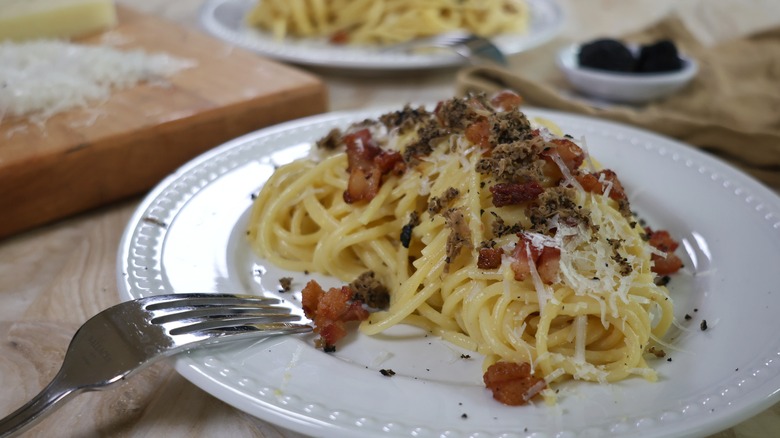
{"points": [[659, 57], [607, 54]]}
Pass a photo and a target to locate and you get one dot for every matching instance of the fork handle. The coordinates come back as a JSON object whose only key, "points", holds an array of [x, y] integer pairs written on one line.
{"points": [[42, 404]]}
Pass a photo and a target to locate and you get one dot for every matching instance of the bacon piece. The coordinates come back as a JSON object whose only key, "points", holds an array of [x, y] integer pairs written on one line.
{"points": [[546, 260], [310, 298], [479, 133], [666, 265], [617, 192], [339, 37], [512, 383], [548, 264], [561, 152], [363, 185], [515, 193], [590, 183], [489, 258], [390, 162], [571, 154], [361, 149], [506, 100], [367, 163], [663, 241], [331, 310], [522, 262]]}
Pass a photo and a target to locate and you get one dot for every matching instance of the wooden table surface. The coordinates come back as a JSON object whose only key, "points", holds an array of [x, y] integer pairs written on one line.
{"points": [[54, 278]]}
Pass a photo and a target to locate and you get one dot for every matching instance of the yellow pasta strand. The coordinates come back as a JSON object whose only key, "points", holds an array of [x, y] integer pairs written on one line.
{"points": [[387, 21]]}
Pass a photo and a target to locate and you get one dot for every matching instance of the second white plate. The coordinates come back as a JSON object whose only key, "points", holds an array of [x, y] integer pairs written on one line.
{"points": [[225, 20]]}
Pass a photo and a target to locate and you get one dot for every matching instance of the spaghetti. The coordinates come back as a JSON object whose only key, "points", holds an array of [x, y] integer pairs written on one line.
{"points": [[387, 21], [491, 233]]}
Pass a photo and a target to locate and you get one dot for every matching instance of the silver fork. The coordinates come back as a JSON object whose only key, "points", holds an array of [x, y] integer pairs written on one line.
{"points": [[474, 48], [124, 338]]}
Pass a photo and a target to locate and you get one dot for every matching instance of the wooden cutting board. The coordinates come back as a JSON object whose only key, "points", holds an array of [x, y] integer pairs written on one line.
{"points": [[144, 133]]}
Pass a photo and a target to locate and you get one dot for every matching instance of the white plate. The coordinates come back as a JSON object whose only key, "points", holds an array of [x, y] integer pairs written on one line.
{"points": [[189, 235], [225, 20]]}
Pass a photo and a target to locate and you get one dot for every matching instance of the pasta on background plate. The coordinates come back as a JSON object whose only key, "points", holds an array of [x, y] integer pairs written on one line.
{"points": [[387, 21], [470, 221]]}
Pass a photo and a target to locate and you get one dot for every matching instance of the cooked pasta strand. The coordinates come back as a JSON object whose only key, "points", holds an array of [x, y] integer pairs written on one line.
{"points": [[387, 21]]}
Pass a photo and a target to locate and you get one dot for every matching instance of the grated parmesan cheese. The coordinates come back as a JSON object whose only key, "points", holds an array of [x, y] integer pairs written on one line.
{"points": [[558, 372], [41, 78], [570, 180], [589, 161], [647, 373], [580, 329]]}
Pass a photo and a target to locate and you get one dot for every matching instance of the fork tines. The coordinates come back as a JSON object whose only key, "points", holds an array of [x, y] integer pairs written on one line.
{"points": [[162, 302], [214, 314]]}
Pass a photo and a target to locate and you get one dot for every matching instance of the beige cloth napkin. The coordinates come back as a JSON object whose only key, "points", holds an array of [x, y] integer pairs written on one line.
{"points": [[731, 108]]}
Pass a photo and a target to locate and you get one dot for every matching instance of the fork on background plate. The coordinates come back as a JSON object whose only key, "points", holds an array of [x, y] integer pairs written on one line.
{"points": [[476, 49], [124, 338]]}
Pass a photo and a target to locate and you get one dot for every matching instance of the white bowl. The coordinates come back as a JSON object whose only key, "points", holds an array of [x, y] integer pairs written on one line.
{"points": [[623, 87]]}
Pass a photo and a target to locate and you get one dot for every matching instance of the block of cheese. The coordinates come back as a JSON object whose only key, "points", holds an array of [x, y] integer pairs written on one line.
{"points": [[29, 19]]}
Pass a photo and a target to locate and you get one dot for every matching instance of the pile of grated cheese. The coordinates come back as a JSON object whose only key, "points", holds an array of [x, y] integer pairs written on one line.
{"points": [[45, 77]]}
